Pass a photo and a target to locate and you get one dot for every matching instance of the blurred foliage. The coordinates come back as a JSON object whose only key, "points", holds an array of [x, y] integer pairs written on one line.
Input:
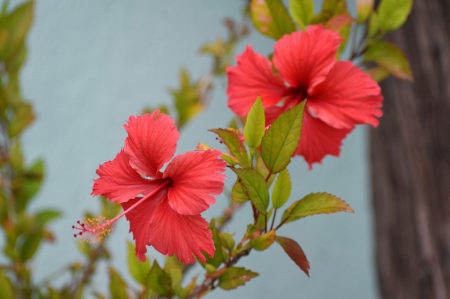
{"points": [[257, 156]]}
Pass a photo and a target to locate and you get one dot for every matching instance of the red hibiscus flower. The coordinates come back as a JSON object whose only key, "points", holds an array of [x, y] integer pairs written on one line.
{"points": [[338, 95], [164, 211]]}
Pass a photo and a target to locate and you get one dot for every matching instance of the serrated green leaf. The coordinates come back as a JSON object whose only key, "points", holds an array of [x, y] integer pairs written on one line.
{"points": [[281, 140], [263, 242], [393, 13], [377, 74], [391, 58], [30, 246], [116, 285], [255, 125], [363, 10], [217, 259], [158, 280], [138, 270], [238, 193], [302, 11], [256, 188], [315, 203], [253, 232], [281, 189], [45, 216], [227, 241], [271, 18], [237, 148], [234, 277], [6, 287], [295, 252]]}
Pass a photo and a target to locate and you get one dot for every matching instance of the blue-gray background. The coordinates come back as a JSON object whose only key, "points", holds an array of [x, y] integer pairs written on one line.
{"points": [[92, 64]]}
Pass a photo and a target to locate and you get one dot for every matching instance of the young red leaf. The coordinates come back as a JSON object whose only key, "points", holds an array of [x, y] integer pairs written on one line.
{"points": [[295, 252], [337, 23]]}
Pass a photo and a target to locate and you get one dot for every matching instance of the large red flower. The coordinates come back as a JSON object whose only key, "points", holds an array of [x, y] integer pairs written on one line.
{"points": [[164, 211], [338, 95]]}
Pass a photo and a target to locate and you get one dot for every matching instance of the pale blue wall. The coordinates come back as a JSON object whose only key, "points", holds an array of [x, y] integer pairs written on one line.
{"points": [[92, 64]]}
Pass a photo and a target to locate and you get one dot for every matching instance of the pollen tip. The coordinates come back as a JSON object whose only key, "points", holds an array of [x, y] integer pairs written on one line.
{"points": [[94, 229]]}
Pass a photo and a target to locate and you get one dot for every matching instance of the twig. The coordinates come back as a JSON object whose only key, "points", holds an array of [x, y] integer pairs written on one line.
{"points": [[209, 282], [273, 219]]}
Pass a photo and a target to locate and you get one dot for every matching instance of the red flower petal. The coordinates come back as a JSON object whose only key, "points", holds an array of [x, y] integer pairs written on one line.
{"points": [[151, 142], [304, 58], [195, 177], [319, 139], [156, 224], [119, 182], [183, 235], [251, 77], [346, 97], [140, 218]]}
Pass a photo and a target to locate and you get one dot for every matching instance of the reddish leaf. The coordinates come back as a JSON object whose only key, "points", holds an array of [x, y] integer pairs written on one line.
{"points": [[295, 252], [338, 22]]}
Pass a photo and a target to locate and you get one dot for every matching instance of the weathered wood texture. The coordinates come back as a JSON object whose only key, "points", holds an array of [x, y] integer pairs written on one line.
{"points": [[410, 153]]}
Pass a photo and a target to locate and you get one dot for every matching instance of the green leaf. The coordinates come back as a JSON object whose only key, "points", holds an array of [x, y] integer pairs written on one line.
{"points": [[377, 74], [15, 157], [374, 25], [295, 252], [217, 259], [391, 58], [116, 285], [45, 216], [173, 262], [332, 8], [255, 125], [315, 203], [6, 287], [30, 246], [363, 10], [175, 277], [238, 193], [234, 277], [158, 280], [393, 13], [22, 118], [271, 18], [227, 241], [85, 248], [232, 161], [138, 269], [237, 148], [281, 140], [281, 189], [256, 188], [263, 242], [17, 23], [302, 11]]}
